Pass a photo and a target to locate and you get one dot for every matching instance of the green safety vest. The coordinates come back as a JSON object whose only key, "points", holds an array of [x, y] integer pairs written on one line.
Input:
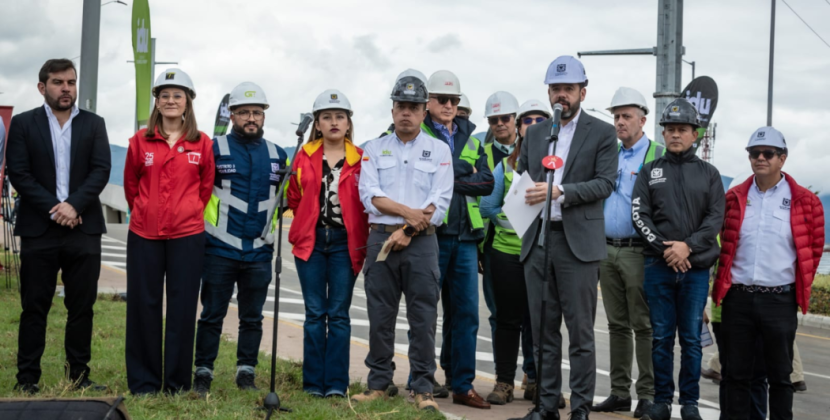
{"points": [[654, 151], [506, 240], [470, 155]]}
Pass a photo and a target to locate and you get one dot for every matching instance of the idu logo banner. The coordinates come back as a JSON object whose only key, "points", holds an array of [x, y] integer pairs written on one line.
{"points": [[703, 94], [142, 37]]}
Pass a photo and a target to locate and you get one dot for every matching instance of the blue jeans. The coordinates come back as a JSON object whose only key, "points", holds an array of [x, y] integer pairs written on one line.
{"points": [[676, 302], [219, 277], [458, 262], [327, 281]]}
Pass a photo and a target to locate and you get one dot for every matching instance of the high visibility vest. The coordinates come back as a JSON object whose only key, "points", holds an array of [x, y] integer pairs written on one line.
{"points": [[470, 155], [654, 151], [506, 240]]}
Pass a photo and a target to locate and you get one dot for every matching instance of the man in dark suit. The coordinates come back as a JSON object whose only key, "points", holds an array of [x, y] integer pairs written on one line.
{"points": [[59, 162], [588, 148]]}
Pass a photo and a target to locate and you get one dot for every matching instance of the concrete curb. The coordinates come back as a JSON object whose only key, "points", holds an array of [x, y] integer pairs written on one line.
{"points": [[815, 321]]}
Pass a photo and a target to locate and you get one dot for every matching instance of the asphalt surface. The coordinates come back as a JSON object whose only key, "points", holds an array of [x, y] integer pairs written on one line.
{"points": [[813, 343]]}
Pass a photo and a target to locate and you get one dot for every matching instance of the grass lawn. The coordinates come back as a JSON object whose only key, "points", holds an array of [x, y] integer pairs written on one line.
{"points": [[226, 401]]}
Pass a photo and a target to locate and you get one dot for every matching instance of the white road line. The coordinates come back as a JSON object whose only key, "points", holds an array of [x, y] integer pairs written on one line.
{"points": [[115, 264], [817, 375], [120, 248], [110, 239], [107, 254]]}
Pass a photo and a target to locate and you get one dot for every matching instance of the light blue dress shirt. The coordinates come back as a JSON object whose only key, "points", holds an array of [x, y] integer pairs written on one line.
{"points": [[618, 206], [446, 133], [61, 146], [490, 205]]}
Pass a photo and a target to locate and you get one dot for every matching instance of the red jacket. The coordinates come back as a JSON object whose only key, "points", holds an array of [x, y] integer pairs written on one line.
{"points": [[807, 222], [304, 199], [167, 188]]}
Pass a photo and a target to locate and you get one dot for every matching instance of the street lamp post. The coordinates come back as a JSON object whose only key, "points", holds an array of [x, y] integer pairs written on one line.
{"points": [[90, 38], [771, 60]]}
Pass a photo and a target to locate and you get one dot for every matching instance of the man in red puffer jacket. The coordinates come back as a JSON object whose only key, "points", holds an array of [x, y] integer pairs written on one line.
{"points": [[772, 241]]}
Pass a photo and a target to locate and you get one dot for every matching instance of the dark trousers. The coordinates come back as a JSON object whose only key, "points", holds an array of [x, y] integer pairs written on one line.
{"points": [[748, 318], [510, 295], [759, 380], [149, 264], [78, 257]]}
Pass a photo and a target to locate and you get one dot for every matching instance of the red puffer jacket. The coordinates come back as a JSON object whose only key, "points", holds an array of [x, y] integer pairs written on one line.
{"points": [[304, 199], [807, 221]]}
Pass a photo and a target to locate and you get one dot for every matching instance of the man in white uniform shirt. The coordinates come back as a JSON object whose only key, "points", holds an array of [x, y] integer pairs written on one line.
{"points": [[406, 185]]}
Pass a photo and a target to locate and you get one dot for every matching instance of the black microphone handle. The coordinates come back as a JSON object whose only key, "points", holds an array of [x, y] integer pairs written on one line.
{"points": [[306, 121]]}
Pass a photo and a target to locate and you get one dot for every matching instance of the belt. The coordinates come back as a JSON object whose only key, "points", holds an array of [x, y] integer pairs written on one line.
{"points": [[556, 225], [778, 290], [628, 242], [392, 228]]}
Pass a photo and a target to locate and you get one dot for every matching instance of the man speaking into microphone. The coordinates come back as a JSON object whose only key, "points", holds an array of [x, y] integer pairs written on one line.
{"points": [[584, 176]]}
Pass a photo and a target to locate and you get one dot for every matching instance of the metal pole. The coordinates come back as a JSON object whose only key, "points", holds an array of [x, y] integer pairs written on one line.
{"points": [[90, 37], [669, 56], [771, 61], [152, 69]]}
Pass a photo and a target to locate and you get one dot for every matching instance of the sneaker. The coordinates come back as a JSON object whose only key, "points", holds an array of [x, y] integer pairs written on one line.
{"points": [[391, 390], [425, 402], [530, 391], [502, 394], [689, 412], [27, 388], [201, 381], [369, 395], [439, 391], [245, 380], [658, 411]]}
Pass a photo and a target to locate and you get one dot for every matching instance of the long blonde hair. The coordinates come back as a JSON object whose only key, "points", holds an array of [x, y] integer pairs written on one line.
{"points": [[191, 130]]}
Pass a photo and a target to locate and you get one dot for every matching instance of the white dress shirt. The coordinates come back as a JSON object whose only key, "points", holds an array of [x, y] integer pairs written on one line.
{"points": [[563, 145], [766, 254], [62, 146], [416, 174]]}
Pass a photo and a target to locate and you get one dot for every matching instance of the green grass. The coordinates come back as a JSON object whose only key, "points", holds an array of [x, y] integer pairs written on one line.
{"points": [[822, 281], [225, 402]]}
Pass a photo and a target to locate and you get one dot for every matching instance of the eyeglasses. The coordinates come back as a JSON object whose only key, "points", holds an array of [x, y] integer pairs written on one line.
{"points": [[166, 97], [531, 121], [454, 100], [258, 115], [495, 120], [768, 154]]}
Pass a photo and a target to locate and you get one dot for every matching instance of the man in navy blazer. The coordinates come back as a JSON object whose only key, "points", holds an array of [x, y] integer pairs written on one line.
{"points": [[58, 160]]}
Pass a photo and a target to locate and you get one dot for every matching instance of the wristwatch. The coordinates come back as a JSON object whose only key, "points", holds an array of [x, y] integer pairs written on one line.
{"points": [[409, 231]]}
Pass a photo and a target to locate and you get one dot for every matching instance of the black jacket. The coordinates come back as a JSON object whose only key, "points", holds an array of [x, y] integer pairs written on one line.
{"points": [[679, 198], [466, 183], [30, 160]]}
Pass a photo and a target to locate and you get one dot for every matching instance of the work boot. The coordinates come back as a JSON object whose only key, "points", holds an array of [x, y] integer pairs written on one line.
{"points": [[800, 386], [524, 382], [613, 403], [245, 379], [27, 388], [502, 394], [438, 390], [369, 395], [689, 412], [530, 391], [658, 411], [201, 381], [425, 402]]}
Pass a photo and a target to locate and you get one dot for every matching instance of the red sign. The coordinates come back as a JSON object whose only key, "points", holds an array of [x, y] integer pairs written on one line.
{"points": [[552, 162]]}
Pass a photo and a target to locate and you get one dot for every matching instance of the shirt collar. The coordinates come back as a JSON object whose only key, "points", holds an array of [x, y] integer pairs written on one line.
{"points": [[50, 114], [775, 187], [572, 123], [637, 147], [505, 149], [443, 127]]}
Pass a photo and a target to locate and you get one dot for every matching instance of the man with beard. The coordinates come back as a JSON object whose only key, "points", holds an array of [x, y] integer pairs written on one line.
{"points": [[248, 173], [586, 151], [59, 162]]}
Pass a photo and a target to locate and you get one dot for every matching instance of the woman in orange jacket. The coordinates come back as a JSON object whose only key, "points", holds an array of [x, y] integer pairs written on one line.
{"points": [[329, 229], [168, 180]]}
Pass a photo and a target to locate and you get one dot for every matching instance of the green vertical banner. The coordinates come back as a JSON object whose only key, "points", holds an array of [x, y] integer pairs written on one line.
{"points": [[143, 61], [223, 117]]}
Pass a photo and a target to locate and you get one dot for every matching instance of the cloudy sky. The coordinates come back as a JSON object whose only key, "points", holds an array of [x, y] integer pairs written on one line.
{"points": [[295, 50]]}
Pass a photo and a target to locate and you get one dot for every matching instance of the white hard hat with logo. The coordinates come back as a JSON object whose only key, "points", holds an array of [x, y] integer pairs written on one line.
{"points": [[414, 73], [332, 99], [767, 136], [444, 82], [174, 78], [532, 106], [247, 93], [566, 69], [626, 96], [501, 103], [465, 104]]}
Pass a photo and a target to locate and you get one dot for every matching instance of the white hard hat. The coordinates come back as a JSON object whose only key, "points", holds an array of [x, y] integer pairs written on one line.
{"points": [[465, 104], [767, 136], [626, 96], [248, 93], [412, 72], [532, 106], [443, 82], [332, 99], [565, 69], [174, 78], [501, 103]]}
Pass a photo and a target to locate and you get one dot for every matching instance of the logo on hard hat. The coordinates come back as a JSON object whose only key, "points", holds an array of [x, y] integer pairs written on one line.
{"points": [[762, 133], [448, 83], [250, 93], [496, 107], [561, 67], [170, 76], [675, 109], [334, 96]]}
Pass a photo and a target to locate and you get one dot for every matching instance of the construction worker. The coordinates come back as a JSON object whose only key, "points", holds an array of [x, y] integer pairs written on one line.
{"points": [[329, 233], [621, 274], [464, 108], [458, 238], [677, 209], [249, 169], [406, 188], [407, 72], [773, 237]]}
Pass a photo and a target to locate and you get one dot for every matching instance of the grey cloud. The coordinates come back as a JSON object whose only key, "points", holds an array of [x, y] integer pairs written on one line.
{"points": [[365, 45], [444, 43]]}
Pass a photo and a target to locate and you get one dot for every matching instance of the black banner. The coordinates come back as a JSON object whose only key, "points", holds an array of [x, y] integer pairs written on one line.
{"points": [[703, 94], [223, 117]]}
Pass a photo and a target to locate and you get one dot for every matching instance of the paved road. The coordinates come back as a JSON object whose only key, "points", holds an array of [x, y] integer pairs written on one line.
{"points": [[813, 343]]}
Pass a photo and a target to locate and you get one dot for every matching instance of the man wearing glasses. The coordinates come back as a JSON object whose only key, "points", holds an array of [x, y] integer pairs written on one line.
{"points": [[621, 274], [248, 172], [773, 237], [463, 228]]}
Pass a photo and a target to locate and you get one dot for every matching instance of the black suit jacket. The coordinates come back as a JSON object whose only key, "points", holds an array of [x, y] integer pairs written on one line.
{"points": [[30, 160]]}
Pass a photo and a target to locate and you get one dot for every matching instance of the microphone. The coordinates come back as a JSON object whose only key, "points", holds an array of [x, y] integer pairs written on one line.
{"points": [[306, 120], [557, 118]]}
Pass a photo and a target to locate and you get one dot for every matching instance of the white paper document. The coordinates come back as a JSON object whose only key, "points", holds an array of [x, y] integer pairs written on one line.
{"points": [[521, 215]]}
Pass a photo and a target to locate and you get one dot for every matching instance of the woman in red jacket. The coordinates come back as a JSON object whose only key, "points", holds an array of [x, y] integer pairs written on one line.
{"points": [[168, 180], [329, 227]]}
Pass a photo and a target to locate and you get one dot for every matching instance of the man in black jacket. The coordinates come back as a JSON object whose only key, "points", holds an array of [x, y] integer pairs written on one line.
{"points": [[59, 162], [677, 208]]}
